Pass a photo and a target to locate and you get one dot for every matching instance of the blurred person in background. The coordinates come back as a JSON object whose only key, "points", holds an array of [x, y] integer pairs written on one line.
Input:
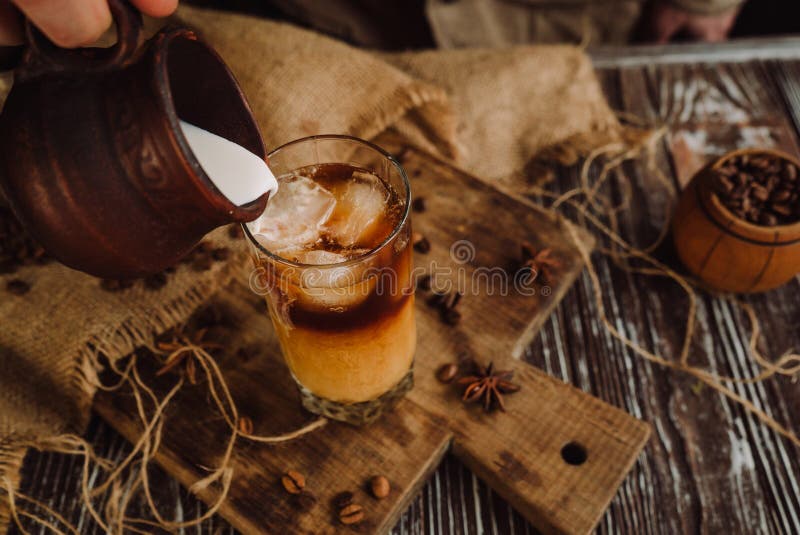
{"points": [[401, 24], [404, 24]]}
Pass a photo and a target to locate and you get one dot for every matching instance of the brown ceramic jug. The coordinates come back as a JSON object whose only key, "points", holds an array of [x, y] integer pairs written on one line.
{"points": [[92, 158]]}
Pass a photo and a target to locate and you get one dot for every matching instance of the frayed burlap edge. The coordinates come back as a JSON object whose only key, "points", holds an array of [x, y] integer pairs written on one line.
{"points": [[114, 343], [11, 457]]}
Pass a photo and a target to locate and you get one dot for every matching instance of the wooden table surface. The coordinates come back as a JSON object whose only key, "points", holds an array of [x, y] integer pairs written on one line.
{"points": [[710, 467]]}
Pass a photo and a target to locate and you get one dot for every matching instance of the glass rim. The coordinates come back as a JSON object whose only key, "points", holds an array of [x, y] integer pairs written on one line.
{"points": [[372, 252]]}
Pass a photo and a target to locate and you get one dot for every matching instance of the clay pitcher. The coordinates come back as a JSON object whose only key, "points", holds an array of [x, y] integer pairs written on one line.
{"points": [[92, 158]]}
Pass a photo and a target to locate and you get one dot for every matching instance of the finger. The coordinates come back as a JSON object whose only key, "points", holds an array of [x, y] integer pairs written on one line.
{"points": [[68, 23], [666, 28], [156, 8], [710, 29], [10, 25]]}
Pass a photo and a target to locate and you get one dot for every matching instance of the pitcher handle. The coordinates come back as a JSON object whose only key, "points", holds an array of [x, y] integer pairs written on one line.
{"points": [[42, 56]]}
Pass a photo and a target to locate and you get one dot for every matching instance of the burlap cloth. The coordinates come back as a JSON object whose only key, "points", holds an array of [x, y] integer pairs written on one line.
{"points": [[490, 110]]}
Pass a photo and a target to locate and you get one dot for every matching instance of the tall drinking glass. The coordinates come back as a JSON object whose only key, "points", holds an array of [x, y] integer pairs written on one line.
{"points": [[334, 261]]}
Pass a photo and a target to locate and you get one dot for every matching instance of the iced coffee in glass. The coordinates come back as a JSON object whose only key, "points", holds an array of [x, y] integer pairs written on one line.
{"points": [[333, 259]]}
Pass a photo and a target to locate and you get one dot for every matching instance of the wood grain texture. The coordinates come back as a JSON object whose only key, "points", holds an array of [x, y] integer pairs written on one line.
{"points": [[710, 466], [518, 453], [405, 446]]}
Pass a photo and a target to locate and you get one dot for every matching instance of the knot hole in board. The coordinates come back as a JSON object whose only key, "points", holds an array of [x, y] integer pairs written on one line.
{"points": [[574, 453]]}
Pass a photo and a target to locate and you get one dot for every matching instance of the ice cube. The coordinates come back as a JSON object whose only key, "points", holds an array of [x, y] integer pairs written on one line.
{"points": [[295, 217], [360, 209], [318, 257], [334, 288]]}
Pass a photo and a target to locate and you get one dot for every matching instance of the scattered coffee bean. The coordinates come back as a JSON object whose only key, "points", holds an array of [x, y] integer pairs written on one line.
{"points": [[343, 499], [420, 243], [447, 372], [446, 303], [380, 487], [451, 317], [418, 204], [294, 482], [424, 283], [351, 514], [17, 287]]}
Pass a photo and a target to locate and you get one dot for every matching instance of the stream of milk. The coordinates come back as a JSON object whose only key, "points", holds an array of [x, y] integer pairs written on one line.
{"points": [[237, 173]]}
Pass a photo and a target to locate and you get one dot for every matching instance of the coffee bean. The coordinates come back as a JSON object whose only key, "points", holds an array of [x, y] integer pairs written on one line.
{"points": [[759, 192], [772, 182], [739, 192], [294, 482], [781, 209], [437, 300], [351, 514], [727, 171], [343, 499], [424, 283], [380, 487], [789, 172], [420, 243], [767, 219], [418, 204], [723, 184], [451, 316], [447, 372], [780, 196], [17, 287]]}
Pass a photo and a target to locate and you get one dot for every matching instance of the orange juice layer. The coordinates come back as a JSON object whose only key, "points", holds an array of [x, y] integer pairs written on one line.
{"points": [[357, 364]]}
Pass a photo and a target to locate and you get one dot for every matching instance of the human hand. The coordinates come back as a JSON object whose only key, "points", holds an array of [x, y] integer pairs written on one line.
{"points": [[68, 23], [665, 21]]}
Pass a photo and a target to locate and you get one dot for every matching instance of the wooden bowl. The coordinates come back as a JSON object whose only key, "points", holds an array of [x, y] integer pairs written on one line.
{"points": [[727, 253]]}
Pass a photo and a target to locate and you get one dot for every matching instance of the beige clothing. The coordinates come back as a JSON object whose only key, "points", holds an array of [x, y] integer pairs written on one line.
{"points": [[399, 24], [492, 23]]}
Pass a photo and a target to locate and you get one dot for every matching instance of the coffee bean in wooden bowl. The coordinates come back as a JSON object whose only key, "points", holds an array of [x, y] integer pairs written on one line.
{"points": [[737, 223]]}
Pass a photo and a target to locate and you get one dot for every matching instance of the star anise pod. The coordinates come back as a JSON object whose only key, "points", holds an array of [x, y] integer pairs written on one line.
{"points": [[488, 386], [539, 262], [182, 352]]}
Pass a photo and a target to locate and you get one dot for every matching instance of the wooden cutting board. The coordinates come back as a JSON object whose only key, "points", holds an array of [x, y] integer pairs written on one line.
{"points": [[558, 454]]}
